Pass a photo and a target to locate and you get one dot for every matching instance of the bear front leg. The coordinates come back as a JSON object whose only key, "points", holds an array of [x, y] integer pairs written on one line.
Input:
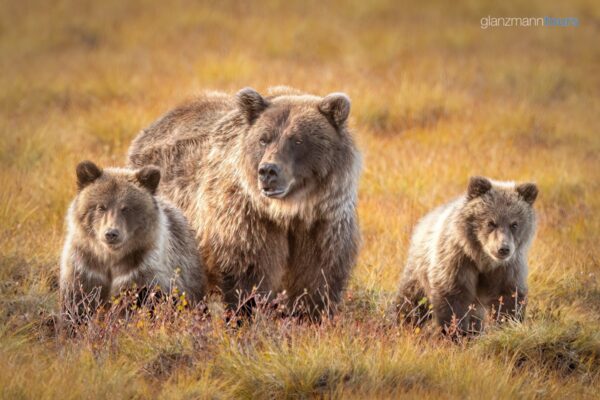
{"points": [[454, 312], [240, 290], [245, 255], [510, 303], [411, 305], [251, 272], [80, 295], [321, 259]]}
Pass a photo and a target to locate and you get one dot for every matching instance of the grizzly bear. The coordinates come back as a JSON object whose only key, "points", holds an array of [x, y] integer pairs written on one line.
{"points": [[270, 185], [121, 235], [468, 258]]}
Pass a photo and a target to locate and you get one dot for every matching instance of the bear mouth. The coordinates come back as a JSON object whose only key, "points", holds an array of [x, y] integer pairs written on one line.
{"points": [[113, 247], [274, 193], [277, 192], [501, 259]]}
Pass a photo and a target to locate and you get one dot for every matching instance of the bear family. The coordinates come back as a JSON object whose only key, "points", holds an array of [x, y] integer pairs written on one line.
{"points": [[269, 183], [469, 257], [120, 235]]}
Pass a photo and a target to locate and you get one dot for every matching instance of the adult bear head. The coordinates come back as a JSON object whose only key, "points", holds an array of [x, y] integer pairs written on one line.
{"points": [[297, 148]]}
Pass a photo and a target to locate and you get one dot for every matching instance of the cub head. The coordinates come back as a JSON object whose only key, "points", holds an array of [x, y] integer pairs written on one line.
{"points": [[500, 216], [115, 208], [294, 143]]}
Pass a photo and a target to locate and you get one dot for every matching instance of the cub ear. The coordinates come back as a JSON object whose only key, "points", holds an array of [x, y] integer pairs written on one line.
{"points": [[87, 172], [478, 186], [336, 107], [149, 177], [528, 192], [251, 103]]}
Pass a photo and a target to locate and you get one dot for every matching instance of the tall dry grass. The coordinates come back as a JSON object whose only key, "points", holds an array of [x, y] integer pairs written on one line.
{"points": [[435, 99]]}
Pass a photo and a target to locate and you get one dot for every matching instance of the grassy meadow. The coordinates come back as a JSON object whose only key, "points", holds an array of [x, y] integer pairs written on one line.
{"points": [[435, 100]]}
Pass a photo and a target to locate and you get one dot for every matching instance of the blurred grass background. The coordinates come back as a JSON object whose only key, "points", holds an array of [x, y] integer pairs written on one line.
{"points": [[435, 99]]}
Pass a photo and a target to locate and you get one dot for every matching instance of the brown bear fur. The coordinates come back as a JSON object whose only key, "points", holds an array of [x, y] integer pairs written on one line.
{"points": [[121, 235], [469, 257], [289, 228]]}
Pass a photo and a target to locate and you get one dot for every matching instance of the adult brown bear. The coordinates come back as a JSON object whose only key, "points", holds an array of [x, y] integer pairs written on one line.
{"points": [[270, 185]]}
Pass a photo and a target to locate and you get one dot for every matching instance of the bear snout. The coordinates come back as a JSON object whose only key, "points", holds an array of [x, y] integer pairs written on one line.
{"points": [[112, 236], [504, 251], [272, 180], [268, 173]]}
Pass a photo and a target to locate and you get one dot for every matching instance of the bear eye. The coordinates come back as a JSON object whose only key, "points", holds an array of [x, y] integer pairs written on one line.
{"points": [[514, 226], [101, 208], [492, 224], [124, 209], [298, 141], [263, 141]]}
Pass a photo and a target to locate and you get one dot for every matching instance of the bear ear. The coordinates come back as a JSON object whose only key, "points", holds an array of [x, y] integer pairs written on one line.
{"points": [[528, 192], [336, 107], [149, 177], [87, 172], [251, 103], [478, 186]]}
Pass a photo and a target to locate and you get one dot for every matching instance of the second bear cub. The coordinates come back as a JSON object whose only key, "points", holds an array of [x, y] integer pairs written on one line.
{"points": [[120, 235], [469, 256]]}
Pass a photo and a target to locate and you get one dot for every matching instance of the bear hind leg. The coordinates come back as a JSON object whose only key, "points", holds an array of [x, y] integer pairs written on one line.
{"points": [[412, 305]]}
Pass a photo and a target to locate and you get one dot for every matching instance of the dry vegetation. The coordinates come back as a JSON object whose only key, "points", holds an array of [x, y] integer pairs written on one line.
{"points": [[435, 99]]}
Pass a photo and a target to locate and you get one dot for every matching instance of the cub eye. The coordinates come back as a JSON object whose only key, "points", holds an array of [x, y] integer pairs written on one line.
{"points": [[101, 208], [125, 209], [514, 226], [492, 224], [298, 141], [263, 141]]}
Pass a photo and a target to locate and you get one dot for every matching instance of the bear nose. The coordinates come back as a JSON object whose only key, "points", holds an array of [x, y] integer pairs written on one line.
{"points": [[266, 172], [504, 251], [112, 235]]}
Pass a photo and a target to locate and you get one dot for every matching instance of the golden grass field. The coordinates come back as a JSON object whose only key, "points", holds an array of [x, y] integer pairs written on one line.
{"points": [[435, 99]]}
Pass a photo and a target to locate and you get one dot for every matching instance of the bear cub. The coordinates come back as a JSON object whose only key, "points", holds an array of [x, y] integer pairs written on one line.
{"points": [[469, 258], [121, 235]]}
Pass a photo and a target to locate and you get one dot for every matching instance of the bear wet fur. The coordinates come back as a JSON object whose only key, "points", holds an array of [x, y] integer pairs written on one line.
{"points": [[270, 185], [469, 257], [120, 235]]}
